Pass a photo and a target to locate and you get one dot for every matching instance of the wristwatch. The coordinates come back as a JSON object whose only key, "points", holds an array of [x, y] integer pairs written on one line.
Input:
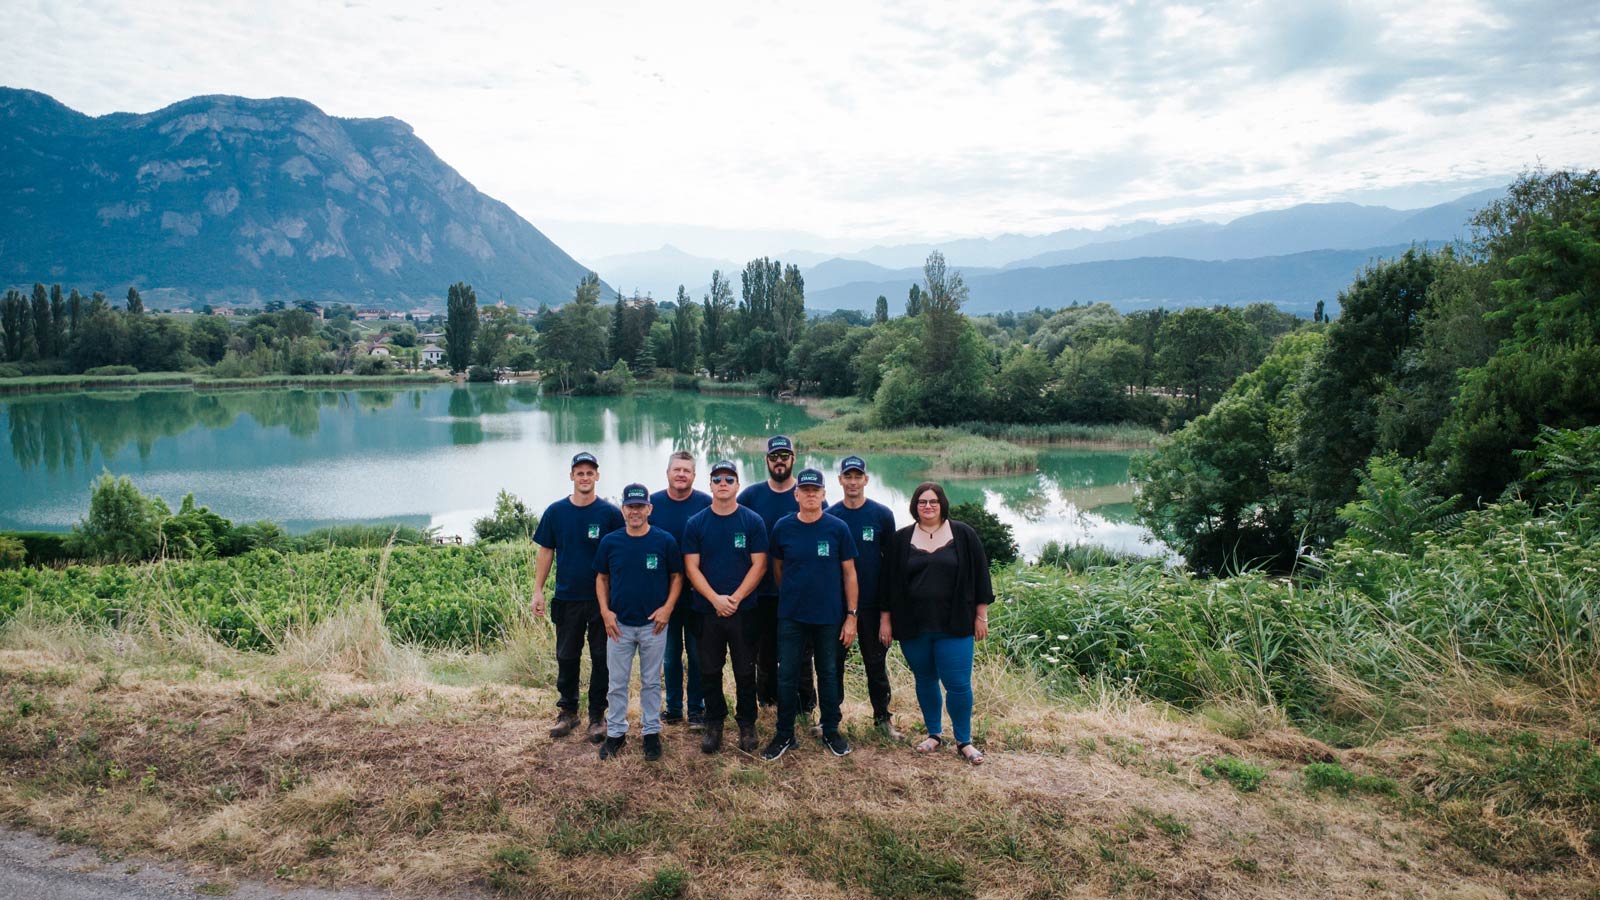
{"points": [[851, 612]]}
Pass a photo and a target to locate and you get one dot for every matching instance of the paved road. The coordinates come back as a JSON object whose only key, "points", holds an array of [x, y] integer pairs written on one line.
{"points": [[36, 868]]}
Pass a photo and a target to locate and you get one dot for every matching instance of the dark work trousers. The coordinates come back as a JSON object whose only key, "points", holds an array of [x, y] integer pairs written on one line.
{"points": [[793, 637], [767, 659], [874, 656], [683, 681], [576, 620], [722, 637]]}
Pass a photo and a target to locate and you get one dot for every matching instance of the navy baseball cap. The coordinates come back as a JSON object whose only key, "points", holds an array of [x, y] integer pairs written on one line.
{"points": [[852, 464], [724, 465], [779, 442], [808, 478], [584, 457], [635, 495]]}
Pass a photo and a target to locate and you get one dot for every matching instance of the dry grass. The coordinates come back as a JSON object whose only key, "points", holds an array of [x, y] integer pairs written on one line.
{"points": [[345, 759]]}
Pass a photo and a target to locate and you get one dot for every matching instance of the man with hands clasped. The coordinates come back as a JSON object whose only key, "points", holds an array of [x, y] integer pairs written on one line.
{"points": [[638, 576]]}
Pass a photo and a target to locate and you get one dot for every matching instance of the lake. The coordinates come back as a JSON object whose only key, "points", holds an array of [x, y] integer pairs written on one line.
{"points": [[436, 457]]}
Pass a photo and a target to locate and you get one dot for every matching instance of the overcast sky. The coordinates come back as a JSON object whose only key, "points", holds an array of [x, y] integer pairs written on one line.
{"points": [[732, 129]]}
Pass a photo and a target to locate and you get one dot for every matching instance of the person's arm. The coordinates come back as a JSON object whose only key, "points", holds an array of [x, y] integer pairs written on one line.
{"points": [[777, 572], [697, 579], [663, 615], [852, 602], [541, 572], [983, 592], [752, 581], [602, 592]]}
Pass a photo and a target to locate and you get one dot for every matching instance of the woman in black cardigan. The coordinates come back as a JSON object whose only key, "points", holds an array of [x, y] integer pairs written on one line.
{"points": [[936, 596]]}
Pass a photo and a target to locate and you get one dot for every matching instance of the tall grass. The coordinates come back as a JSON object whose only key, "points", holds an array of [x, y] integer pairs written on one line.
{"points": [[1121, 434]]}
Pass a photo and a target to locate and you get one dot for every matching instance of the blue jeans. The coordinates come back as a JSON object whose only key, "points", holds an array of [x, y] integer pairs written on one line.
{"points": [[792, 638], [650, 647], [936, 658], [683, 635]]}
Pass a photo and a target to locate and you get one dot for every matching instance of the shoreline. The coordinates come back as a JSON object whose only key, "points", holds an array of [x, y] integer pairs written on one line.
{"points": [[57, 384]]}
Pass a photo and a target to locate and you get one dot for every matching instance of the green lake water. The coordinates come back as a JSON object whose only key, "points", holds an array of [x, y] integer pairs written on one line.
{"points": [[437, 456]]}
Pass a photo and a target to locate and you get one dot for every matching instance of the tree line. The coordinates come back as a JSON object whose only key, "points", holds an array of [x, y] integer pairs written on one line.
{"points": [[1423, 399]]}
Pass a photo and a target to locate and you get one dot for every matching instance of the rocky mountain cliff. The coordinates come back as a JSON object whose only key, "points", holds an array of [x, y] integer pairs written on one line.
{"points": [[226, 198]]}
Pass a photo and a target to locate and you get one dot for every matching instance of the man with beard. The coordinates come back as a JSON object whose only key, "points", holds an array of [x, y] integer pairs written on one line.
{"points": [[670, 511], [568, 534], [773, 499]]}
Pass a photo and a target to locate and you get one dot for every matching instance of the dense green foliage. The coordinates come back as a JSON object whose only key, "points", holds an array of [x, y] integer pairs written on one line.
{"points": [[511, 520], [999, 543], [1441, 370]]}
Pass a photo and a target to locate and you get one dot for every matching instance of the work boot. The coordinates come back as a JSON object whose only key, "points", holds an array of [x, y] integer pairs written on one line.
{"points": [[612, 746], [597, 729], [747, 738], [712, 741], [652, 747], [566, 720]]}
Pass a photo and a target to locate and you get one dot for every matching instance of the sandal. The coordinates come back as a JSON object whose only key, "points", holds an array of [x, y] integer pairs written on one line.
{"points": [[970, 753], [930, 744]]}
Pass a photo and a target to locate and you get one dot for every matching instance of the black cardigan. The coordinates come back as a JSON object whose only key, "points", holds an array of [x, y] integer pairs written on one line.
{"points": [[972, 587]]}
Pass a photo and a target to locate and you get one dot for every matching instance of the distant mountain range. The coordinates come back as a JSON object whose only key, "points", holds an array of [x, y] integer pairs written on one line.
{"points": [[230, 199]]}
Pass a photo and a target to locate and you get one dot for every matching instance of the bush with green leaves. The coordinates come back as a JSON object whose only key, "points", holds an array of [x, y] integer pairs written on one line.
{"points": [[122, 525], [510, 521], [998, 540], [13, 553]]}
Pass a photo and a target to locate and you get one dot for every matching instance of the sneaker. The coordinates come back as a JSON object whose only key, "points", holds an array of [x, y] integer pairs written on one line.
{"points": [[671, 718], [747, 738], [652, 747], [597, 730], [565, 722], [612, 746], [697, 721], [886, 728], [778, 747], [712, 741], [837, 744]]}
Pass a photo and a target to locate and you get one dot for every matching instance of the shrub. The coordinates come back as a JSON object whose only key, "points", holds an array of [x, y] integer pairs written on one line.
{"points": [[511, 521], [111, 370], [13, 553], [43, 547], [1082, 557], [10, 370], [998, 540], [122, 524], [681, 382], [480, 374]]}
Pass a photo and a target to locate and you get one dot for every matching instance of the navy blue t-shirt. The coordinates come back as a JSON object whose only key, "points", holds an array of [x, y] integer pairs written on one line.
{"points": [[770, 506], [574, 532], [813, 571], [671, 515], [641, 570], [872, 525], [724, 544]]}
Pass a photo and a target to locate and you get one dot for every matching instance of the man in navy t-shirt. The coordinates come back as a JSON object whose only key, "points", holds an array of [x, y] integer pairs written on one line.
{"points": [[872, 525], [724, 558], [773, 499], [638, 576], [813, 558], [670, 511], [568, 533]]}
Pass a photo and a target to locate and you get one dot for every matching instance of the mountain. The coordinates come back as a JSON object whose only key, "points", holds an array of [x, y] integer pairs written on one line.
{"points": [[1295, 282], [1297, 229], [228, 198], [660, 272], [1000, 250]]}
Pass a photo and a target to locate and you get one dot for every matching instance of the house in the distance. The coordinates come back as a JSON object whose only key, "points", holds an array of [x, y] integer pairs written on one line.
{"points": [[432, 355]]}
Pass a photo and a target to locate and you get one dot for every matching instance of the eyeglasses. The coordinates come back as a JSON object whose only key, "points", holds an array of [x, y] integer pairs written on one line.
{"points": [[724, 479], [781, 455], [933, 502]]}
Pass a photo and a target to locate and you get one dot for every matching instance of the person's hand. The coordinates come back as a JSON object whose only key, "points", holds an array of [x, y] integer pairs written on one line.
{"points": [[980, 626], [661, 617], [847, 634], [725, 605], [612, 631], [885, 631], [537, 604]]}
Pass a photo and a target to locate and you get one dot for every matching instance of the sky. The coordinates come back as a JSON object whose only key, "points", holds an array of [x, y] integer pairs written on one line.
{"points": [[736, 129]]}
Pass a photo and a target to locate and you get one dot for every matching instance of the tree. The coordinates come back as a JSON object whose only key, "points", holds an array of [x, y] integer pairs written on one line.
{"points": [[716, 329], [510, 521], [461, 326], [881, 311], [43, 328], [17, 322], [1019, 391], [135, 302], [123, 524], [74, 313], [58, 321], [498, 325], [631, 321], [914, 301], [1201, 351], [685, 334], [574, 339]]}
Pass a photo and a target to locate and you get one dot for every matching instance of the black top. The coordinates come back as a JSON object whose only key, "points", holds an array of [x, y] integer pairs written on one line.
{"points": [[914, 612], [932, 576]]}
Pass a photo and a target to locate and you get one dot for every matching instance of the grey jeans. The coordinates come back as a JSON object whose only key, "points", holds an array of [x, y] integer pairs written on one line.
{"points": [[651, 649]]}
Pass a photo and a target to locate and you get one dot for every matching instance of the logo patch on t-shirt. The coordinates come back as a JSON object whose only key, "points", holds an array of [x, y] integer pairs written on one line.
{"points": [[738, 540], [652, 561], [867, 533], [822, 548], [594, 532]]}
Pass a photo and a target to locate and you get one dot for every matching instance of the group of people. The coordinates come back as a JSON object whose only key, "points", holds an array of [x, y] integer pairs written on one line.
{"points": [[770, 578]]}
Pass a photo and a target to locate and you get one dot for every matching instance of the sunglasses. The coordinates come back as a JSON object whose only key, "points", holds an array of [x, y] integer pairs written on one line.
{"points": [[780, 455], [724, 479]]}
